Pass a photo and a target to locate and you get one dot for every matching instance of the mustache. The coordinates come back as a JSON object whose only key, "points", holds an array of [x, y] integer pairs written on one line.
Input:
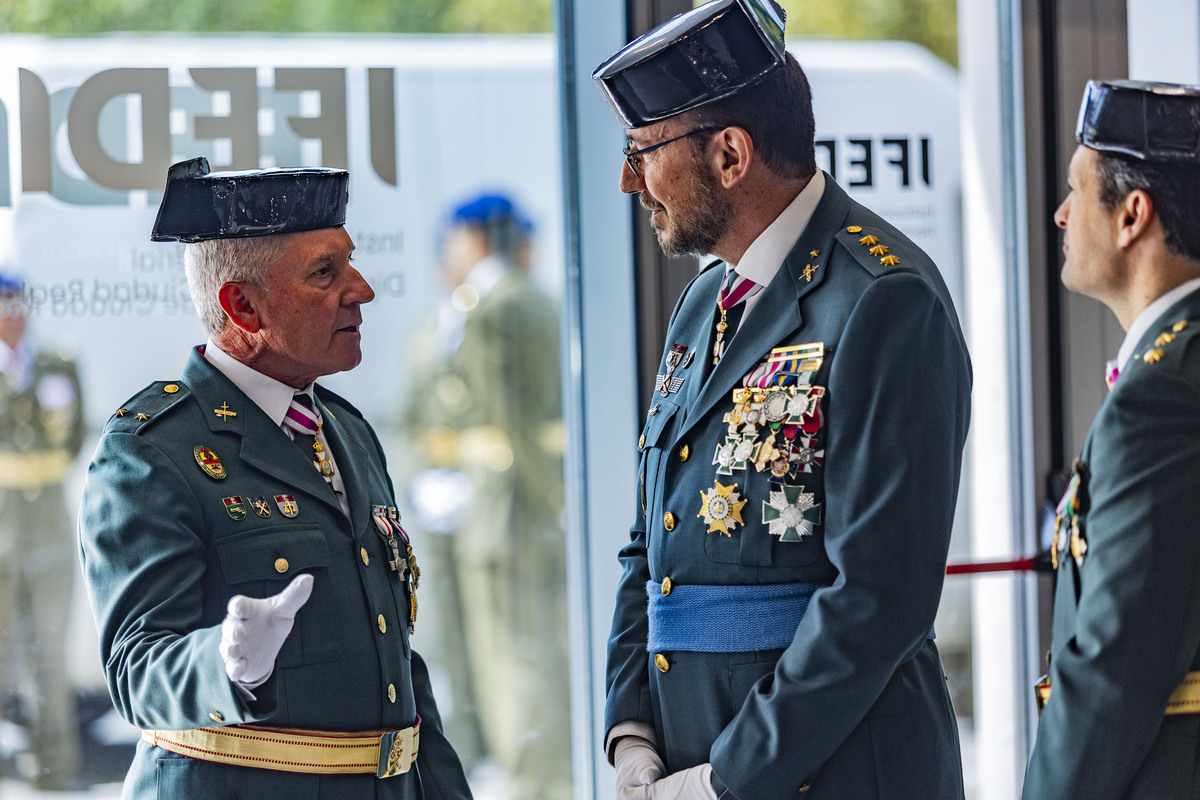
{"points": [[649, 203]]}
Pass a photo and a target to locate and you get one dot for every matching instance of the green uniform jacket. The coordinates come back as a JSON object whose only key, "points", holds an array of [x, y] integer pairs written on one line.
{"points": [[857, 706], [162, 556], [1127, 619]]}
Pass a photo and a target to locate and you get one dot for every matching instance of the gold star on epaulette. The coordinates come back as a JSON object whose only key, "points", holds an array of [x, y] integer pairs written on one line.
{"points": [[814, 253], [142, 417], [1153, 356], [1178, 326], [879, 250], [869, 240], [122, 412], [890, 261], [1164, 338]]}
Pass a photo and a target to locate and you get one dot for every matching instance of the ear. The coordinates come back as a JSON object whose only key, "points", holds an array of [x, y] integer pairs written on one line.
{"points": [[1135, 216], [735, 152], [239, 306]]}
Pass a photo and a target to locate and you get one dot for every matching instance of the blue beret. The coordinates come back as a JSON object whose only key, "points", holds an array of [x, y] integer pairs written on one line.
{"points": [[487, 209]]}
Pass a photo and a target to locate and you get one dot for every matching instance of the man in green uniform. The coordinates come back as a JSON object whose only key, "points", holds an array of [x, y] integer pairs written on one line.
{"points": [[1121, 720], [254, 612], [800, 457], [41, 431], [485, 419]]}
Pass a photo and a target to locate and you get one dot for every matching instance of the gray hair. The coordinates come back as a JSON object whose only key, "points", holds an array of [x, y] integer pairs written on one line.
{"points": [[211, 263]]}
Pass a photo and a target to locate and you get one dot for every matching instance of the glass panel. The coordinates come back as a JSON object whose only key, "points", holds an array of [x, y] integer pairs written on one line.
{"points": [[455, 212]]}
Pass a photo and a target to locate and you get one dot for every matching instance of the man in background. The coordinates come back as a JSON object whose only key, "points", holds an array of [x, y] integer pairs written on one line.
{"points": [[484, 419], [41, 431], [1123, 692]]}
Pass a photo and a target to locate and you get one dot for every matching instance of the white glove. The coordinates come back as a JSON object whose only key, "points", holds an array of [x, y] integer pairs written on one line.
{"points": [[690, 784], [254, 630], [638, 763]]}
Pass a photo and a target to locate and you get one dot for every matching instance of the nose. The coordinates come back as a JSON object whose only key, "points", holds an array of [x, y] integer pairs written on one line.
{"points": [[1061, 213], [360, 291], [630, 183]]}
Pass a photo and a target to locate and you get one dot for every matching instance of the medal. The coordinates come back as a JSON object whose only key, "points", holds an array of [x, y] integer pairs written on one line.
{"points": [[235, 508], [260, 506], [721, 508], [209, 462], [287, 505], [791, 513]]}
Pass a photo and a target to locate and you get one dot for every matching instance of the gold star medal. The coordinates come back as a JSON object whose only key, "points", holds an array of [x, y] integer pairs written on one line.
{"points": [[721, 508]]}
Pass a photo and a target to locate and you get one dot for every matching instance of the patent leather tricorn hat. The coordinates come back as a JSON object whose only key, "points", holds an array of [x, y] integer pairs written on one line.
{"points": [[1150, 121], [697, 57], [198, 204]]}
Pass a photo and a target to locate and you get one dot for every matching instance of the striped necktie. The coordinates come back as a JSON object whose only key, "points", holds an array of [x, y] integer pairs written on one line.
{"points": [[735, 290], [304, 420]]}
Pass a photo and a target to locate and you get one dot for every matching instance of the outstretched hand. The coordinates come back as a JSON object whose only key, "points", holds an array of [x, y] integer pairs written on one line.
{"points": [[254, 630]]}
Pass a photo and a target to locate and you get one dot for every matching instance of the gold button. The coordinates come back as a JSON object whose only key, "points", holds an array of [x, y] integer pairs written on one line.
{"points": [[382, 624], [391, 693], [684, 453], [642, 440], [215, 717], [170, 388], [854, 229], [805, 788], [660, 661], [366, 558], [669, 521], [666, 586], [281, 565]]}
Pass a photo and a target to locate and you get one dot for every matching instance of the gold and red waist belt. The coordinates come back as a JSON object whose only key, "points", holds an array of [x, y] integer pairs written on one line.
{"points": [[1184, 700], [383, 753]]}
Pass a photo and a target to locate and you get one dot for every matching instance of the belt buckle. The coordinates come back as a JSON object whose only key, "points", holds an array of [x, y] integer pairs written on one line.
{"points": [[396, 753]]}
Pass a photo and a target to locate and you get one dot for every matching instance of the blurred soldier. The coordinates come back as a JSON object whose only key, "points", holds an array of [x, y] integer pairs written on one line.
{"points": [[252, 585], [485, 418], [1121, 718], [800, 456], [41, 431]]}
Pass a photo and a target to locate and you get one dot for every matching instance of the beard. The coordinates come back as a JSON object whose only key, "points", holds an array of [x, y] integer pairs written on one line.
{"points": [[700, 218]]}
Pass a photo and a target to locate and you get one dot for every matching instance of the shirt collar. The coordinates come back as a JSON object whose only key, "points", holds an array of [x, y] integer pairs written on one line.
{"points": [[272, 396], [765, 255], [1144, 320], [490, 270]]}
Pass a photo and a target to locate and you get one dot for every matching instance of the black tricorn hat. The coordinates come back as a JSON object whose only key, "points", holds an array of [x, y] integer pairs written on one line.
{"points": [[1150, 121], [697, 57], [198, 204]]}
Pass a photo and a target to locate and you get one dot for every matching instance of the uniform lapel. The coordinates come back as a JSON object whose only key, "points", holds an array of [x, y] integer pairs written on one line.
{"points": [[265, 446], [777, 314], [348, 454]]}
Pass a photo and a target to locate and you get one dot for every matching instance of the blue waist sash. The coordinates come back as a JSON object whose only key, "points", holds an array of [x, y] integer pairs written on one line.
{"points": [[726, 619]]}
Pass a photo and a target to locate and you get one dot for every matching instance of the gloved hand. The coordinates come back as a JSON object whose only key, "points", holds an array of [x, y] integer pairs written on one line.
{"points": [[254, 630], [689, 784], [638, 763]]}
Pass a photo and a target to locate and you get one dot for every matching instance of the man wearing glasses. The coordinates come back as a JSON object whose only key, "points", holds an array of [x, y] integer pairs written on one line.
{"points": [[800, 456]]}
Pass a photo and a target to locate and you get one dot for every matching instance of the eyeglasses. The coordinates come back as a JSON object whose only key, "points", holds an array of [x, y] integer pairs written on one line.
{"points": [[634, 157]]}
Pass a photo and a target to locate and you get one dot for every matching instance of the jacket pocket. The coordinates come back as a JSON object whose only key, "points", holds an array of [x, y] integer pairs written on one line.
{"points": [[260, 563]]}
